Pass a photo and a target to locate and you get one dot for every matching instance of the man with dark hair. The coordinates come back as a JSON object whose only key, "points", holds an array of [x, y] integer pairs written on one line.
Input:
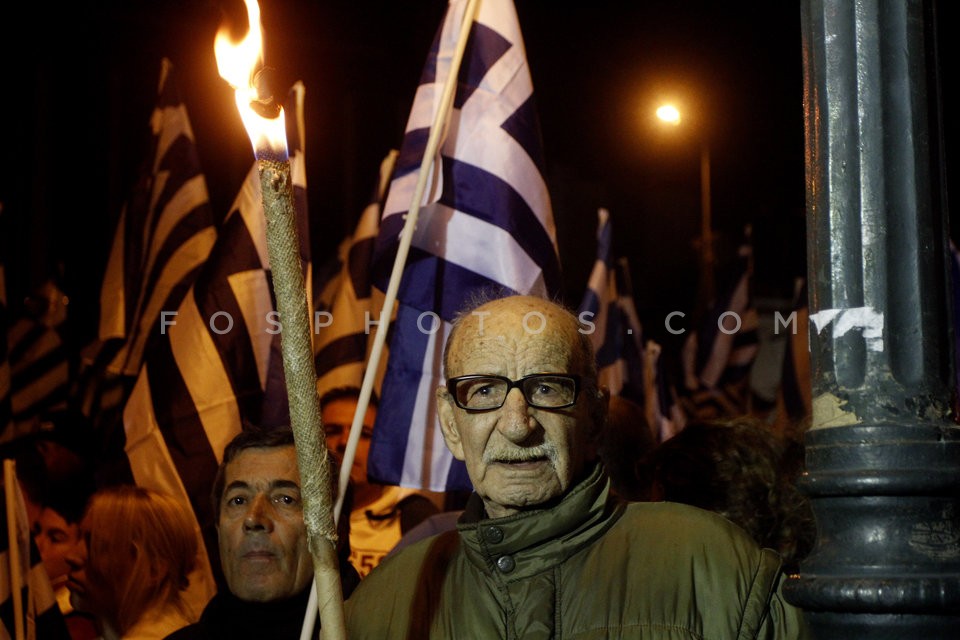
{"points": [[266, 563], [56, 531], [378, 514], [543, 550]]}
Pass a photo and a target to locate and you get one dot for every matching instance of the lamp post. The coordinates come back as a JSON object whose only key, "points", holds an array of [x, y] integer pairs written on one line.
{"points": [[669, 114]]}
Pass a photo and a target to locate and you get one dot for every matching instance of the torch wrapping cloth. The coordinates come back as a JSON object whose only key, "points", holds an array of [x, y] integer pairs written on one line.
{"points": [[315, 474]]}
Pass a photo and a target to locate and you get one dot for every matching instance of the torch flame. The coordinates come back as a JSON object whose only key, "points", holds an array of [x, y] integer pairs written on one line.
{"points": [[238, 63]]}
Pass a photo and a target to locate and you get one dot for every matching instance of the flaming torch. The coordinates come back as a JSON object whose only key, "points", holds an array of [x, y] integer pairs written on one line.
{"points": [[241, 64]]}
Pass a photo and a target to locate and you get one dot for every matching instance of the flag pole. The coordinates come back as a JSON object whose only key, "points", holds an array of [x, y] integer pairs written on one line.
{"points": [[437, 128], [13, 538]]}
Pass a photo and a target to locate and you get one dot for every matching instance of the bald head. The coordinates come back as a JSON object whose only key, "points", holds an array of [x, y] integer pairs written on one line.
{"points": [[521, 320]]}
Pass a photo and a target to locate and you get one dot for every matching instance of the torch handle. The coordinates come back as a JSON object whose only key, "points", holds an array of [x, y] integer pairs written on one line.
{"points": [[283, 247]]}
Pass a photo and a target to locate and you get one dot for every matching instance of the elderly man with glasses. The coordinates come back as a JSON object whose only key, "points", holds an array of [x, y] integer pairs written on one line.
{"points": [[543, 550]]}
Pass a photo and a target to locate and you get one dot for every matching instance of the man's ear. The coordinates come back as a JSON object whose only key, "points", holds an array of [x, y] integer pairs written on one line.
{"points": [[448, 425]]}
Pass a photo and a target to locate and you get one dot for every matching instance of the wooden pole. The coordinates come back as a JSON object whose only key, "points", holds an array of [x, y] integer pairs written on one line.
{"points": [[13, 538]]}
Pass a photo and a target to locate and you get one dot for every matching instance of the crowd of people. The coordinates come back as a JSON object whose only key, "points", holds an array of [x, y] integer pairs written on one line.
{"points": [[580, 524]]}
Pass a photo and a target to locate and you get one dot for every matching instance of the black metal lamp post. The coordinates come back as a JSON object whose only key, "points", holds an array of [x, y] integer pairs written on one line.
{"points": [[883, 452]]}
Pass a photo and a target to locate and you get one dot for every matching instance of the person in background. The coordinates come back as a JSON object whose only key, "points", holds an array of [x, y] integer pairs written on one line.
{"points": [[54, 458], [379, 514], [743, 471], [625, 439], [543, 550], [56, 532], [133, 562], [267, 566], [56, 479]]}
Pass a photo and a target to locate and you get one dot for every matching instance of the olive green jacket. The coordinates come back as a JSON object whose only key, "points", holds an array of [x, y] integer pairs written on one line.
{"points": [[589, 567]]}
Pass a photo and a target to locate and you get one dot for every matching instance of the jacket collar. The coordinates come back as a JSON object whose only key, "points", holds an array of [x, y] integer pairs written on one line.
{"points": [[528, 542]]}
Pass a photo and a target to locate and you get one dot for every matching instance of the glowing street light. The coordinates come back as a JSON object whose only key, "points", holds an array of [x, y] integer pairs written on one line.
{"points": [[669, 114]]}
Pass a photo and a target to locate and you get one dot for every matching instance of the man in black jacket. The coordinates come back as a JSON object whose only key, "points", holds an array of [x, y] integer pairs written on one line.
{"points": [[263, 543]]}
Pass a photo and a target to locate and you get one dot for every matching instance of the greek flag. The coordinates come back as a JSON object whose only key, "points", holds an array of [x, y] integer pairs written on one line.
{"points": [[38, 359], [348, 307], [486, 224], [717, 357], [215, 364], [608, 305], [165, 233], [662, 408]]}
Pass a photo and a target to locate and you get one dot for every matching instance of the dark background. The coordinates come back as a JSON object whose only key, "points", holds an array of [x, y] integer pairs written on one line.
{"points": [[80, 84]]}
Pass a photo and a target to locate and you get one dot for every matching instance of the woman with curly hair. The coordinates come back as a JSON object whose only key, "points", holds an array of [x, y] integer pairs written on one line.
{"points": [[132, 564], [743, 471]]}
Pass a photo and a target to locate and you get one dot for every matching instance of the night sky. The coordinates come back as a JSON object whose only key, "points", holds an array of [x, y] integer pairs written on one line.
{"points": [[80, 88]]}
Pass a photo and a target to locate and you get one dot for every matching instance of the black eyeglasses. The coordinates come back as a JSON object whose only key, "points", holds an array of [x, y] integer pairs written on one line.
{"points": [[541, 390]]}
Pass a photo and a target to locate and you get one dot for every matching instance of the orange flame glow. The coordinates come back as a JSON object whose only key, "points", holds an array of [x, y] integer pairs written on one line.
{"points": [[237, 64]]}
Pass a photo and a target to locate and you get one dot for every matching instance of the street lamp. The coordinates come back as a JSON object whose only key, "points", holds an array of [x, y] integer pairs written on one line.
{"points": [[671, 115]]}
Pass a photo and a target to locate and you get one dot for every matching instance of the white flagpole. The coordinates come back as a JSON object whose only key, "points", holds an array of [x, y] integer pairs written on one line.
{"points": [[13, 538], [406, 237], [437, 129]]}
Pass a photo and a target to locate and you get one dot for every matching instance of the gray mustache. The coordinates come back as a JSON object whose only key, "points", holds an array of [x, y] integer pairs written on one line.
{"points": [[521, 455]]}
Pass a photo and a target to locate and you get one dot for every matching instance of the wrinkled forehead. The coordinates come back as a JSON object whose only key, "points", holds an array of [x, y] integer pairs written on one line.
{"points": [[529, 333], [263, 466]]}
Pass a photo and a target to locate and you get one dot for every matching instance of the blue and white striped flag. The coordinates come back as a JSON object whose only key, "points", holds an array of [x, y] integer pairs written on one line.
{"points": [[165, 233], [34, 359], [617, 336], [486, 224], [215, 364], [717, 357], [662, 407], [347, 307], [39, 360]]}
